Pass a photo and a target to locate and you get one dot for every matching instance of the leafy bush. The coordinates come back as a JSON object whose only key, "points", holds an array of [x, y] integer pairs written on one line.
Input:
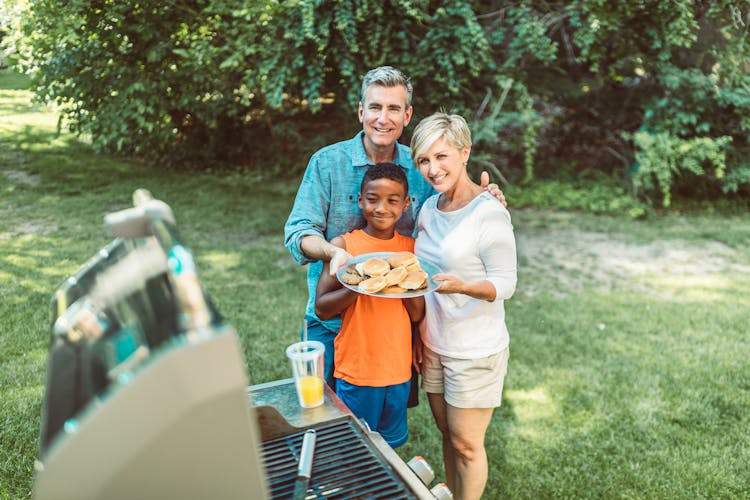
{"points": [[598, 197], [661, 157], [543, 83]]}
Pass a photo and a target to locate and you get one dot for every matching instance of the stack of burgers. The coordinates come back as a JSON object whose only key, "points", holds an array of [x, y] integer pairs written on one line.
{"points": [[399, 273]]}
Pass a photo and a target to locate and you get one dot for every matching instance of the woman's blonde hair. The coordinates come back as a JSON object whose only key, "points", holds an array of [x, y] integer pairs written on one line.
{"points": [[453, 128]]}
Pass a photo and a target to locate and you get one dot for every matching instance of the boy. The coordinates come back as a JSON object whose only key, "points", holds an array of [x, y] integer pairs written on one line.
{"points": [[373, 350]]}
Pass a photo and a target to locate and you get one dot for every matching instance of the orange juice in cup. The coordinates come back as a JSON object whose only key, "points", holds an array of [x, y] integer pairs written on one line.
{"points": [[307, 366], [310, 390]]}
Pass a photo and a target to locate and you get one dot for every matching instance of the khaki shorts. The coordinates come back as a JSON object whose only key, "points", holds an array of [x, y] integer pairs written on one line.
{"points": [[465, 383]]}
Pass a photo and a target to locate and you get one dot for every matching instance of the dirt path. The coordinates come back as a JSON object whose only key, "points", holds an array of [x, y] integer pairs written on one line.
{"points": [[564, 261]]}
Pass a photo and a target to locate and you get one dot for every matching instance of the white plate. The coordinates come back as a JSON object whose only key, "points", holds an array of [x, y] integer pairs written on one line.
{"points": [[427, 266]]}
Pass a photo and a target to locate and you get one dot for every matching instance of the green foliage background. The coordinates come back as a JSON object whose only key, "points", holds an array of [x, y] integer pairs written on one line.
{"points": [[652, 95]]}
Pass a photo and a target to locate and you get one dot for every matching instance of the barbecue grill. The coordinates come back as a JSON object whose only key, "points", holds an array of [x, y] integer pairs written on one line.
{"points": [[147, 397], [350, 461]]}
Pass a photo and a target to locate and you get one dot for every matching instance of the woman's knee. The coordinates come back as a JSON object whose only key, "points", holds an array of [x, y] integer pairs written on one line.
{"points": [[466, 450]]}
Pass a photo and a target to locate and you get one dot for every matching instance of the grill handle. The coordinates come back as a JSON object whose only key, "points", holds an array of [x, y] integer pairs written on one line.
{"points": [[304, 469]]}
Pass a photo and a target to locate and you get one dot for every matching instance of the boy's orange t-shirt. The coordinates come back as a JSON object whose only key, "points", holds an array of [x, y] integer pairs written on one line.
{"points": [[373, 347]]}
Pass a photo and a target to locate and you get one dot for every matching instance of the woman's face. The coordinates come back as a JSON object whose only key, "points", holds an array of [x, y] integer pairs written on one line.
{"points": [[443, 165]]}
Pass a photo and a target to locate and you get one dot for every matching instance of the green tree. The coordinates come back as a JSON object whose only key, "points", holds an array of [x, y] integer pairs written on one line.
{"points": [[552, 89]]}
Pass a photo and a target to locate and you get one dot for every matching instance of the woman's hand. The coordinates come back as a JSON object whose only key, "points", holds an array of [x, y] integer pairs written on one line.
{"points": [[448, 283]]}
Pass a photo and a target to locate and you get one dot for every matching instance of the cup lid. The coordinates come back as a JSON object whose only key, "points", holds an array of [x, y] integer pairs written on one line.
{"points": [[305, 350]]}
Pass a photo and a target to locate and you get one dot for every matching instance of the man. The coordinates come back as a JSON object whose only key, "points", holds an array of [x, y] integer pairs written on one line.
{"points": [[326, 201]]}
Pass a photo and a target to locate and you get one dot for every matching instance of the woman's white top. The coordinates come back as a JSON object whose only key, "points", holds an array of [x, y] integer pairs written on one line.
{"points": [[475, 243]]}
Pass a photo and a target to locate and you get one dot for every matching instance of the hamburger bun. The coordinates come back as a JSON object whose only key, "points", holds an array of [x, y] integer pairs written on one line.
{"points": [[358, 268], [414, 266], [402, 259], [374, 284], [414, 280], [351, 278], [375, 267], [395, 275]]}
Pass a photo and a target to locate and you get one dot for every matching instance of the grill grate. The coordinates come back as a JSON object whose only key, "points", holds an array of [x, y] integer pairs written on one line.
{"points": [[345, 465]]}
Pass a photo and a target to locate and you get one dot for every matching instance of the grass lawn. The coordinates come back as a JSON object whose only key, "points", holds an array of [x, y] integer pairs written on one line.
{"points": [[628, 374]]}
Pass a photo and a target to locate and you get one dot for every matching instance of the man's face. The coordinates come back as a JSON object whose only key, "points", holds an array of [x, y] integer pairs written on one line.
{"points": [[384, 115]]}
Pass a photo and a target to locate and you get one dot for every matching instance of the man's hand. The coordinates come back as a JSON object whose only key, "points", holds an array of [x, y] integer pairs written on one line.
{"points": [[338, 259], [317, 248], [493, 188]]}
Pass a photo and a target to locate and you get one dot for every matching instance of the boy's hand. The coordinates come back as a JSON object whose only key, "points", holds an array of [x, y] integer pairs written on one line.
{"points": [[493, 188]]}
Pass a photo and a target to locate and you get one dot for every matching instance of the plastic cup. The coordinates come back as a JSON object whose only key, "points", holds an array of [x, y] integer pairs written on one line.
{"points": [[307, 366]]}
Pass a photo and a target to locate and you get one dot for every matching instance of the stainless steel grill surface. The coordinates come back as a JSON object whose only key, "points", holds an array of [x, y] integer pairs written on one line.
{"points": [[349, 461], [345, 465]]}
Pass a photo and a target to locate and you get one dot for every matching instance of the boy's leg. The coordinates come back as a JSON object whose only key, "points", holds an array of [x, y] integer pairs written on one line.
{"points": [[364, 401], [392, 425], [316, 331]]}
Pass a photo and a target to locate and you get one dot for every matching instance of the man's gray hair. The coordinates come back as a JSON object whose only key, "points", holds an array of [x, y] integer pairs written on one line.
{"points": [[387, 76]]}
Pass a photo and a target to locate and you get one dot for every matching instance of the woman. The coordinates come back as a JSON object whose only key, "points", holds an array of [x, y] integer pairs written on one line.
{"points": [[464, 356]]}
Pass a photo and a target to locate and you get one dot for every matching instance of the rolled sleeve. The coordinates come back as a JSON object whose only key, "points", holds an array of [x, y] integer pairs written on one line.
{"points": [[308, 215]]}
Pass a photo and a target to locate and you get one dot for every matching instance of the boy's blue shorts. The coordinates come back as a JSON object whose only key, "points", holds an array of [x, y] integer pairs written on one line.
{"points": [[383, 408]]}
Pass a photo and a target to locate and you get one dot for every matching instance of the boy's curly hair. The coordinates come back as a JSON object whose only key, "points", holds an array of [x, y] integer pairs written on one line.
{"points": [[386, 171]]}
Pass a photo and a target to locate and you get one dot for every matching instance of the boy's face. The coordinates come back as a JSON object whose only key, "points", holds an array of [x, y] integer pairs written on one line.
{"points": [[382, 202]]}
